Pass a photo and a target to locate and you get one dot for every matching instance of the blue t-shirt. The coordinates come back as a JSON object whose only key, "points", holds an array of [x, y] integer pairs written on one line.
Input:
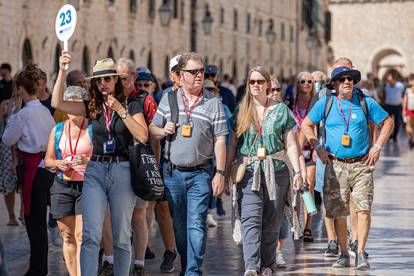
{"points": [[335, 125]]}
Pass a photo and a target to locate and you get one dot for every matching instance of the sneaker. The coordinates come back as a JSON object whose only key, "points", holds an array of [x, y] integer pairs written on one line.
{"points": [[149, 255], [361, 262], [353, 248], [250, 272], [139, 270], [167, 264], [343, 261], [280, 260], [211, 222], [107, 269], [267, 272], [332, 250], [55, 237]]}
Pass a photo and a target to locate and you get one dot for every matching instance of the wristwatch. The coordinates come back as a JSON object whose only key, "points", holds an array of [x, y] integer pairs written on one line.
{"points": [[124, 115], [222, 172]]}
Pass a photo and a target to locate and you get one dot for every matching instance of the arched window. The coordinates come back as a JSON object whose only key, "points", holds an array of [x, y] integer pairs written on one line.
{"points": [[133, 6], [175, 8], [58, 52], [151, 8], [149, 61], [86, 65], [132, 55], [110, 53], [27, 55]]}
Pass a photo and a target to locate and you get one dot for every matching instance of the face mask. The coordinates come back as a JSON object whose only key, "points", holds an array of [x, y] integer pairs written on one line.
{"points": [[318, 86]]}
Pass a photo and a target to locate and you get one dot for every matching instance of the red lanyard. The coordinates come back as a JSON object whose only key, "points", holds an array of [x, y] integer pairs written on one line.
{"points": [[73, 152], [108, 117], [188, 112], [343, 114], [261, 122]]}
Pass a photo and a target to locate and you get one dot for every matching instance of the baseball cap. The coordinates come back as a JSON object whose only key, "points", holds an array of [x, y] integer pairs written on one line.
{"points": [[174, 62]]}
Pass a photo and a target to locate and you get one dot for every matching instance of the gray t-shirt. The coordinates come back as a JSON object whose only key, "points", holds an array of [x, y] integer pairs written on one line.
{"points": [[208, 121]]}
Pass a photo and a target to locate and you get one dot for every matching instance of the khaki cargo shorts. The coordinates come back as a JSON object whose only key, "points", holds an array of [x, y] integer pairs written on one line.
{"points": [[342, 180]]}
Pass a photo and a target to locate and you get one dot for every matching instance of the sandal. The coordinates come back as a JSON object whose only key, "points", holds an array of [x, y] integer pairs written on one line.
{"points": [[307, 235]]}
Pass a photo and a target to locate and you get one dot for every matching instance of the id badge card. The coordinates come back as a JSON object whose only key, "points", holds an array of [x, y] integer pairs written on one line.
{"points": [[186, 130], [261, 152], [109, 146], [67, 176], [346, 140]]}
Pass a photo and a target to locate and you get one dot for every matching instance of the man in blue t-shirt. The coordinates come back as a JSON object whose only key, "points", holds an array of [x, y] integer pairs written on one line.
{"points": [[348, 156]]}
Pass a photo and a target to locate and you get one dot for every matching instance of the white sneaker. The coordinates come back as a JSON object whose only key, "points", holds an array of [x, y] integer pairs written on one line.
{"points": [[55, 237], [211, 222], [280, 260]]}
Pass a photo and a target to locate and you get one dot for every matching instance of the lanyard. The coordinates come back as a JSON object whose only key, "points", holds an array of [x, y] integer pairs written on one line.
{"points": [[188, 112], [298, 115], [108, 117], [261, 122], [343, 114], [73, 152]]}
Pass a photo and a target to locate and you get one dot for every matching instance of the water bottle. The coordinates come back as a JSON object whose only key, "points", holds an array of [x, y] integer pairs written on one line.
{"points": [[309, 201]]}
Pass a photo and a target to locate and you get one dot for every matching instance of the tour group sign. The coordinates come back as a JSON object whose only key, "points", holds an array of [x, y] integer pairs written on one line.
{"points": [[65, 24]]}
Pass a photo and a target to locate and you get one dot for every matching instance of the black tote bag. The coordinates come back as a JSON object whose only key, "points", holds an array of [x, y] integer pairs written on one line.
{"points": [[146, 178]]}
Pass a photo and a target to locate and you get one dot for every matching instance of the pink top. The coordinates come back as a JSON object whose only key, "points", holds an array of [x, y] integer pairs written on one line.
{"points": [[84, 148]]}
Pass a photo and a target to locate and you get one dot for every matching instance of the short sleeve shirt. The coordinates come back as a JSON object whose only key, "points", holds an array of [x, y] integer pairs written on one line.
{"points": [[122, 135], [278, 121], [358, 130], [208, 123]]}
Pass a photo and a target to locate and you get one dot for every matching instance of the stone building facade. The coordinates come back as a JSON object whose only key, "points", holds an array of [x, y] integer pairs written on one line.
{"points": [[287, 36], [377, 35]]}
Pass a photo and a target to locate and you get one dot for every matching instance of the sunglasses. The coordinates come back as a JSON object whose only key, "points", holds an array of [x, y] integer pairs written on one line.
{"points": [[277, 89], [146, 85], [194, 72], [98, 81], [260, 82], [348, 78], [306, 81]]}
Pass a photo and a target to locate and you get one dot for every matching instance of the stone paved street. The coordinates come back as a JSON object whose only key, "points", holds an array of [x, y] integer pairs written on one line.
{"points": [[390, 247]]}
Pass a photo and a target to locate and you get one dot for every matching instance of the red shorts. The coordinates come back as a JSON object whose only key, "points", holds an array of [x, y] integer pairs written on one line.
{"points": [[409, 113]]}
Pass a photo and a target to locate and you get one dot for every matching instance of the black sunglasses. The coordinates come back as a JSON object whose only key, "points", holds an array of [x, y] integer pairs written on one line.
{"points": [[195, 72], [304, 81], [98, 81], [348, 78], [277, 89], [253, 82], [146, 85]]}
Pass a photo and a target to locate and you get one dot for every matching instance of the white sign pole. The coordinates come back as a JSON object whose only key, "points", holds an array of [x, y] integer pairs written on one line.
{"points": [[65, 25]]}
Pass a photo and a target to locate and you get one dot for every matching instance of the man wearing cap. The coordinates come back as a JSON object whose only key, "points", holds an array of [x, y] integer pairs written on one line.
{"points": [[174, 77], [227, 97], [348, 157], [145, 80]]}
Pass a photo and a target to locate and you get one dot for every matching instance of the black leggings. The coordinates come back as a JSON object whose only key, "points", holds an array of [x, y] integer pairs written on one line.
{"points": [[396, 112]]}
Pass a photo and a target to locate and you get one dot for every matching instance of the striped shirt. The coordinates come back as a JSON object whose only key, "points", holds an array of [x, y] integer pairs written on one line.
{"points": [[208, 123]]}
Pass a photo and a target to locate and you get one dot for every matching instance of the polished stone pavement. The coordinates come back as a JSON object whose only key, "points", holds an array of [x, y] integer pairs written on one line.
{"points": [[390, 246]]}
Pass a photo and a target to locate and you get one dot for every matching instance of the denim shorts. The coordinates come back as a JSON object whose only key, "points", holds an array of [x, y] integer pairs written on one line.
{"points": [[66, 198]]}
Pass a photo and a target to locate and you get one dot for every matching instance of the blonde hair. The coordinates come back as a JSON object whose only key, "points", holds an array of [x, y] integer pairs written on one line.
{"points": [[247, 115], [298, 88]]}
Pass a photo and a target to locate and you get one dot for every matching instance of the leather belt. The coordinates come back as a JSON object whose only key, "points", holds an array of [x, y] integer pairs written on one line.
{"points": [[348, 160], [108, 159], [194, 168]]}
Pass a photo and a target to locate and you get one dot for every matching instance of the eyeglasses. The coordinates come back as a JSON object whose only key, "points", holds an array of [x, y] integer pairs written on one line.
{"points": [[98, 81], [146, 85], [306, 81], [348, 78], [253, 82], [195, 72], [277, 89]]}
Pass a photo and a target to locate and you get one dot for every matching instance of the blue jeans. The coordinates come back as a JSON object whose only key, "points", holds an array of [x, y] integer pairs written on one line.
{"points": [[188, 195], [107, 183]]}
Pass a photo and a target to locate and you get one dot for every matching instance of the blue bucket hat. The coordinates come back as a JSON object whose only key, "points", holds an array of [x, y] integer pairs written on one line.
{"points": [[144, 74], [337, 73]]}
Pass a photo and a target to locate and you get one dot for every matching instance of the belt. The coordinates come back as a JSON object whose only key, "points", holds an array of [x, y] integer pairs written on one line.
{"points": [[108, 159], [194, 168], [348, 160]]}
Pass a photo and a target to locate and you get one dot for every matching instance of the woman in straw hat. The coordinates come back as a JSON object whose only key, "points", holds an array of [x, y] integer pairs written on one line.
{"points": [[107, 176]]}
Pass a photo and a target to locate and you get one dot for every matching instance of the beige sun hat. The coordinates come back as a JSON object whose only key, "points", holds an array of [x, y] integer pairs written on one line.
{"points": [[209, 85], [104, 68]]}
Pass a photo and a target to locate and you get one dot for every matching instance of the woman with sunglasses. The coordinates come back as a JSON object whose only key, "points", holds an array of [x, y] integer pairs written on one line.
{"points": [[263, 133], [29, 129], [305, 91], [115, 125]]}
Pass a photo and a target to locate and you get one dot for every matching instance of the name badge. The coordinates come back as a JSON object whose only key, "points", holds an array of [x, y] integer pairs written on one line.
{"points": [[109, 146], [186, 130], [261, 152], [67, 176], [346, 140]]}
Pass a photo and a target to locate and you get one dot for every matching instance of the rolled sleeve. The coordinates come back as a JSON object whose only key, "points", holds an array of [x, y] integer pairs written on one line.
{"points": [[317, 112], [219, 121]]}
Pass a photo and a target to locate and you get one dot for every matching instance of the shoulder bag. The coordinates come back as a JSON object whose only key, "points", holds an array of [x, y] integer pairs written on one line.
{"points": [[237, 169]]}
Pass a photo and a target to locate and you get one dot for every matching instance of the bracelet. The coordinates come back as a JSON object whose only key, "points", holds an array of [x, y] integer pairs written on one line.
{"points": [[378, 146], [296, 173]]}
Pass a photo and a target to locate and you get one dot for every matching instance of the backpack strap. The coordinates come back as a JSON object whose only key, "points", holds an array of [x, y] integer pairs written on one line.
{"points": [[173, 103], [58, 153], [362, 102]]}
